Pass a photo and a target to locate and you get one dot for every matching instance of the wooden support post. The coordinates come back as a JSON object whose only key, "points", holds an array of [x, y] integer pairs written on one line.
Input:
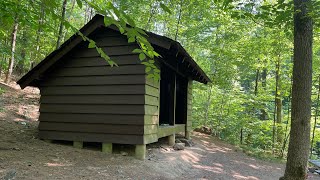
{"points": [[107, 148], [78, 144], [140, 152], [187, 135], [172, 140]]}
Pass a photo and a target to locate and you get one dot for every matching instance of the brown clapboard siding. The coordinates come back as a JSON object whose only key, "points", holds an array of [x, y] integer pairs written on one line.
{"points": [[132, 119], [93, 99], [85, 90], [98, 109], [92, 137], [102, 89], [95, 118], [92, 128], [111, 41], [94, 80], [110, 51], [99, 71], [98, 61]]}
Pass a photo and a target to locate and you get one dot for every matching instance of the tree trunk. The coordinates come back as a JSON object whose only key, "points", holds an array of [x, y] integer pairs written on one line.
{"points": [[315, 117], [19, 69], [264, 115], [13, 48], [64, 4], [278, 104], [179, 21], [299, 143]]}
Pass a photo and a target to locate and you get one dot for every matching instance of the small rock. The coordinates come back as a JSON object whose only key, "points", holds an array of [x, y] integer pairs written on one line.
{"points": [[179, 146], [124, 153], [23, 123], [187, 142]]}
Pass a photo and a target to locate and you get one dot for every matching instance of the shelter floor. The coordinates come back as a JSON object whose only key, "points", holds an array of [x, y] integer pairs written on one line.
{"points": [[24, 156]]}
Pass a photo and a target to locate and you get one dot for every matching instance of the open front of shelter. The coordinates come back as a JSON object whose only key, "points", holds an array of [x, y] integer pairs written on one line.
{"points": [[84, 99]]}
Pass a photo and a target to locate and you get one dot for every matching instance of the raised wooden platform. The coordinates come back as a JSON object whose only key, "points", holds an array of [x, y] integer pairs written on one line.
{"points": [[164, 131]]}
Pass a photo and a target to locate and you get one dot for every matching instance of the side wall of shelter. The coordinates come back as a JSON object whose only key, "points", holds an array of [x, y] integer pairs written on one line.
{"points": [[84, 99]]}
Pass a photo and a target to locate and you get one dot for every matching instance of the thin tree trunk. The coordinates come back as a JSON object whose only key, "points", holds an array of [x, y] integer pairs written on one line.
{"points": [[13, 49], [39, 32], [179, 21], [19, 69], [208, 103], [263, 115], [278, 103], [68, 19], [64, 4], [288, 115], [256, 83], [299, 144], [315, 117]]}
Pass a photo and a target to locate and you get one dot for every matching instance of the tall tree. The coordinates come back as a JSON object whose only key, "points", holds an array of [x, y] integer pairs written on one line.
{"points": [[301, 93], [13, 49], [63, 14]]}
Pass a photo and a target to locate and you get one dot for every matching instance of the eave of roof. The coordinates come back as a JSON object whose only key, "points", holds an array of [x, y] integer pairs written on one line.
{"points": [[93, 24]]}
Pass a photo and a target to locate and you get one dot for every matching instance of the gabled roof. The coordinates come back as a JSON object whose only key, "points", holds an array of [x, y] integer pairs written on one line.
{"points": [[194, 71]]}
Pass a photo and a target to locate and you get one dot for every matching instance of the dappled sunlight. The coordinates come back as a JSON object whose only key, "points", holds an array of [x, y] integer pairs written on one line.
{"points": [[57, 164], [216, 170], [253, 166], [236, 175], [217, 164], [190, 157]]}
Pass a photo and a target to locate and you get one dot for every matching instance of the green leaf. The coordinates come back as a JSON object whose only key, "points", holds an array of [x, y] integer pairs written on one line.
{"points": [[107, 21], [137, 51], [131, 40], [165, 8], [92, 44], [79, 4], [148, 69], [142, 56]]}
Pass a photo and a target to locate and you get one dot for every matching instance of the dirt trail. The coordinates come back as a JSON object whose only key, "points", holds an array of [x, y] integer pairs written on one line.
{"points": [[23, 156]]}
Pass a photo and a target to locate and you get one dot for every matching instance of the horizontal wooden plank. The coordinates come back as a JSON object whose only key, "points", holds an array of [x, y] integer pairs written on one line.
{"points": [[108, 41], [94, 80], [98, 61], [103, 32], [110, 51], [99, 109], [152, 91], [151, 119], [150, 138], [92, 137], [151, 110], [150, 129], [151, 100], [106, 89], [98, 71], [164, 131], [97, 118], [93, 128], [97, 99]]}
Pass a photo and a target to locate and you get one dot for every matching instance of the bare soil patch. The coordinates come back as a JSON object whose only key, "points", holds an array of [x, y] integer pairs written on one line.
{"points": [[24, 156]]}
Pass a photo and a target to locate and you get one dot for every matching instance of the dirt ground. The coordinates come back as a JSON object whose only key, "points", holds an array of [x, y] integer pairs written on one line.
{"points": [[24, 156]]}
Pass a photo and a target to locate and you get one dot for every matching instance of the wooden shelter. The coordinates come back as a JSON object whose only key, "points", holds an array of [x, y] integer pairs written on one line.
{"points": [[83, 99]]}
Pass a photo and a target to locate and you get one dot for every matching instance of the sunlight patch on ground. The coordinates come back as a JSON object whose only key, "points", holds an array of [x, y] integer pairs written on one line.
{"points": [[236, 175], [216, 170], [189, 157], [57, 164]]}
